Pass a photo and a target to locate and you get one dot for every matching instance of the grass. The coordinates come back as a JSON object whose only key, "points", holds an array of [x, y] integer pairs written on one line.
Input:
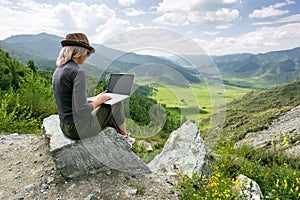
{"points": [[196, 96]]}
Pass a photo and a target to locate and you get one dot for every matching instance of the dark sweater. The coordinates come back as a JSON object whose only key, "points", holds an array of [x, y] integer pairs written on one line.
{"points": [[70, 92]]}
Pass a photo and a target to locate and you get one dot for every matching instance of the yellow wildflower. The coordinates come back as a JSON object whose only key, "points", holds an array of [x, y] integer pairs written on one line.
{"points": [[277, 183]]}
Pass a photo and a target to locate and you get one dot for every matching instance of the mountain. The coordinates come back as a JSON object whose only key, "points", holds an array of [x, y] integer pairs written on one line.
{"points": [[273, 67], [44, 48], [242, 70]]}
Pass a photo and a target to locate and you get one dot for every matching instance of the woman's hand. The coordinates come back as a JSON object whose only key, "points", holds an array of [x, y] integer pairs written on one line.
{"points": [[101, 98]]}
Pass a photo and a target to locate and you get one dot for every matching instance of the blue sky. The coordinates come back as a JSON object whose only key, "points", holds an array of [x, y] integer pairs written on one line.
{"points": [[218, 26]]}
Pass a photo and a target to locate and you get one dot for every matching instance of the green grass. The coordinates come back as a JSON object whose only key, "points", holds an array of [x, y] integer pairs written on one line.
{"points": [[254, 82], [197, 95]]}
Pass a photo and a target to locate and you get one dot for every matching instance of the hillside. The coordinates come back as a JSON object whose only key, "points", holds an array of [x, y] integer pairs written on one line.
{"points": [[256, 110], [282, 131]]}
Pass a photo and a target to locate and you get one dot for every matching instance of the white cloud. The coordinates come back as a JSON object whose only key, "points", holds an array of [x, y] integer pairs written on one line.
{"points": [[262, 40], [267, 12], [289, 19], [197, 11], [224, 26], [176, 5], [126, 2], [78, 16], [222, 15], [230, 1], [210, 33], [112, 27], [271, 11], [25, 17], [132, 12], [282, 4], [174, 19], [192, 5], [98, 21]]}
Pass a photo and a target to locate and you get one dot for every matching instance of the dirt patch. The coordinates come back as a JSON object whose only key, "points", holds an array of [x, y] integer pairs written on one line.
{"points": [[28, 172]]}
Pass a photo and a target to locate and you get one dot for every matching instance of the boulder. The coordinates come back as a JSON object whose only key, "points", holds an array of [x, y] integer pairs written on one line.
{"points": [[106, 151], [184, 151], [246, 188]]}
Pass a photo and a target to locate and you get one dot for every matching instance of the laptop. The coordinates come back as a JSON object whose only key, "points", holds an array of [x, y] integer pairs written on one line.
{"points": [[119, 88]]}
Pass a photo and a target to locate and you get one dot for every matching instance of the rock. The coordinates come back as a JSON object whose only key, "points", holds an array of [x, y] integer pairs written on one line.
{"points": [[149, 148], [106, 151], [90, 197], [131, 192], [145, 144], [29, 188], [183, 151], [246, 188], [286, 126]]}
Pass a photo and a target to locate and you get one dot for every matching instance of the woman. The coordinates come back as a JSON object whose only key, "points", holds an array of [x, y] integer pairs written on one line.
{"points": [[79, 118]]}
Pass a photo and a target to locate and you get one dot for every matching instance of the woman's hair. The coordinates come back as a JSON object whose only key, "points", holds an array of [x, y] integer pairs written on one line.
{"points": [[68, 52]]}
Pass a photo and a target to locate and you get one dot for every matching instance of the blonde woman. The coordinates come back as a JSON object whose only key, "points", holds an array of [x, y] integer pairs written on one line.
{"points": [[79, 118]]}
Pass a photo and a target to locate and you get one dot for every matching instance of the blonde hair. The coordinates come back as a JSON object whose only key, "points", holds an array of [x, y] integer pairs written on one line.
{"points": [[68, 52]]}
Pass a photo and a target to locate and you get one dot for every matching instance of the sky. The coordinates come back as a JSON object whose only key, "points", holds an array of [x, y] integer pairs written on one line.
{"points": [[219, 27]]}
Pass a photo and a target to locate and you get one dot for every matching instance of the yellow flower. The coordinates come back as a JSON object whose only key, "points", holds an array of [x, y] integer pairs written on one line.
{"points": [[285, 184], [286, 143], [272, 143], [277, 183]]}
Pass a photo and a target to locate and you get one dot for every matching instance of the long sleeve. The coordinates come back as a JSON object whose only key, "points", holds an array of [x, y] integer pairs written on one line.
{"points": [[81, 107]]}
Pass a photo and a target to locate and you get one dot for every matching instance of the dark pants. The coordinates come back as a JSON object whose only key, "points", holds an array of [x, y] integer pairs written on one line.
{"points": [[101, 117]]}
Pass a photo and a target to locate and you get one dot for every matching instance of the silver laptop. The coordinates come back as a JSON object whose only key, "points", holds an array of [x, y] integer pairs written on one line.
{"points": [[119, 87]]}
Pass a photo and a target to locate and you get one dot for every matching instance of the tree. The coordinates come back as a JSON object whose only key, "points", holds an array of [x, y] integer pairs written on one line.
{"points": [[31, 65]]}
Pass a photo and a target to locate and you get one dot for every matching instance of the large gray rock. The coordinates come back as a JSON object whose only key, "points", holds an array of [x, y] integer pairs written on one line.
{"points": [[246, 188], [184, 151], [106, 151]]}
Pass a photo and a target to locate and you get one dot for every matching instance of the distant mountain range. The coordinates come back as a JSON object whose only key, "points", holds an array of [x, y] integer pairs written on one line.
{"points": [[44, 48], [272, 68]]}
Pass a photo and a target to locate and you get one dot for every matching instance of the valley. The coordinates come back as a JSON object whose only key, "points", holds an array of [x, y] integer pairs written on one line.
{"points": [[248, 95]]}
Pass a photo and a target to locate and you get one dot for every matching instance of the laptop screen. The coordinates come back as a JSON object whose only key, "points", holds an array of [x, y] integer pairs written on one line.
{"points": [[120, 83]]}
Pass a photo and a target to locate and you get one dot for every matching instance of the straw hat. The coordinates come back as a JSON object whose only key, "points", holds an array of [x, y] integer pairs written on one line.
{"points": [[78, 39]]}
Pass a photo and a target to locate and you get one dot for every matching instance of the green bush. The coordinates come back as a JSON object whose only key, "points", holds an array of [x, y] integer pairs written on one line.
{"points": [[16, 117]]}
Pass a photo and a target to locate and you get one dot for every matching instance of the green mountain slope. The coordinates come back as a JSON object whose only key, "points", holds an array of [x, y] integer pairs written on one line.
{"points": [[255, 110]]}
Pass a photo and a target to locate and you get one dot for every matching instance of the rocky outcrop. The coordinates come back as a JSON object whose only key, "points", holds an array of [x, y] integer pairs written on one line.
{"points": [[246, 188], [184, 151], [106, 151], [283, 132]]}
